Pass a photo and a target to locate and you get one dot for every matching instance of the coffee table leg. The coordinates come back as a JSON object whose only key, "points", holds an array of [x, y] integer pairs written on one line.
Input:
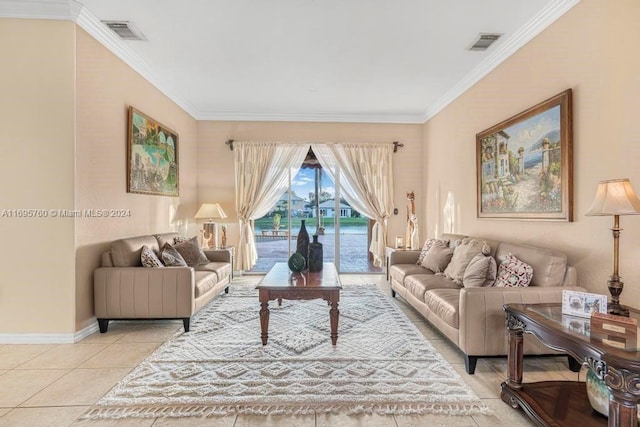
{"points": [[264, 321], [333, 317]]}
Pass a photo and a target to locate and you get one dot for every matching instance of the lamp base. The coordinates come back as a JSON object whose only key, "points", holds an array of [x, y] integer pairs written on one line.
{"points": [[617, 309]]}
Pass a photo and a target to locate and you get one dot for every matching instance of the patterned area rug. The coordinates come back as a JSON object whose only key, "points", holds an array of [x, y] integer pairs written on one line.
{"points": [[381, 364]]}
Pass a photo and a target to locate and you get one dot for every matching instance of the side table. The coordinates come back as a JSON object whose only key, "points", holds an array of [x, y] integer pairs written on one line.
{"points": [[564, 403]]}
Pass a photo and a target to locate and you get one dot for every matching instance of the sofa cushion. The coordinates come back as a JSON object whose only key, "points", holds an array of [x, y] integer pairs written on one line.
{"points": [[171, 257], [126, 252], [221, 269], [149, 258], [514, 273], [444, 303], [418, 284], [480, 272], [438, 257], [427, 245], [205, 281], [462, 256], [191, 251], [399, 271]]}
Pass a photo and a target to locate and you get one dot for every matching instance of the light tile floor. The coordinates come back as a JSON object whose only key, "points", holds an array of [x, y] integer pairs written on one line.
{"points": [[53, 385]]}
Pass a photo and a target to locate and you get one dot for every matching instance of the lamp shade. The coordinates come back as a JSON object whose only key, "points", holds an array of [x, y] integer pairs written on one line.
{"points": [[210, 211], [615, 197]]}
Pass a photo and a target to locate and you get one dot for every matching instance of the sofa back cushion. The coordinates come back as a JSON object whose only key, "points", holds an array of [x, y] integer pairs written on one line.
{"points": [[166, 238], [549, 266], [126, 252]]}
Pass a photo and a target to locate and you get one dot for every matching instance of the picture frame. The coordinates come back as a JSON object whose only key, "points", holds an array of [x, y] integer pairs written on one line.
{"points": [[152, 156], [525, 164], [583, 304]]}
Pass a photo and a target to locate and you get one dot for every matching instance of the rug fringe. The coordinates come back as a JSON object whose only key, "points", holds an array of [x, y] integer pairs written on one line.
{"points": [[208, 411]]}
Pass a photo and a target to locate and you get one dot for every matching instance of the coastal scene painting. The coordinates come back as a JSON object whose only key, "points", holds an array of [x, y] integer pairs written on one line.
{"points": [[152, 158], [524, 164]]}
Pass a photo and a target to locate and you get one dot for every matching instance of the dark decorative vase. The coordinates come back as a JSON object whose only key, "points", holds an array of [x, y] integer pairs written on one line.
{"points": [[315, 255], [303, 243]]}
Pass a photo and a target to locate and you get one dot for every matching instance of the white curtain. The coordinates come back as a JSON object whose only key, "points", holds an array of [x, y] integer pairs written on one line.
{"points": [[261, 177], [366, 182]]}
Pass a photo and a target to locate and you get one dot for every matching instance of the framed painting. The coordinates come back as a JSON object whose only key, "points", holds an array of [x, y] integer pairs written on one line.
{"points": [[524, 164], [152, 156]]}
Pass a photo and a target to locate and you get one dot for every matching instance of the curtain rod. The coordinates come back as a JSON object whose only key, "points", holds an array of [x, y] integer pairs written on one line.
{"points": [[396, 144]]}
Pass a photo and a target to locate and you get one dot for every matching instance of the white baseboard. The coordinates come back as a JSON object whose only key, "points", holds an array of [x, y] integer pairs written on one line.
{"points": [[49, 338]]}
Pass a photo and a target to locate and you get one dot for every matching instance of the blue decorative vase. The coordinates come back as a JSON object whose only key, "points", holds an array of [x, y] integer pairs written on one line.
{"points": [[303, 243], [315, 255]]}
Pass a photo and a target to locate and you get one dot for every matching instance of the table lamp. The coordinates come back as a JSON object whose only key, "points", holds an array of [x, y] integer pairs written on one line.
{"points": [[209, 228], [615, 197]]}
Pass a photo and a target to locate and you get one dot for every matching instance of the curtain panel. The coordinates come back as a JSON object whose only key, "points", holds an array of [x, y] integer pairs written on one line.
{"points": [[366, 182], [261, 176]]}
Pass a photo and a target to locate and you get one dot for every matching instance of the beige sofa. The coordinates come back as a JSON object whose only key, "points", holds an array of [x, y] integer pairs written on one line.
{"points": [[473, 318], [124, 289]]}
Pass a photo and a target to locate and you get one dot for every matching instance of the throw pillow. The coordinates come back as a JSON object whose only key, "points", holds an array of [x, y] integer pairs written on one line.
{"points": [[438, 257], [462, 256], [427, 245], [513, 273], [191, 252], [480, 272], [149, 258], [171, 257]]}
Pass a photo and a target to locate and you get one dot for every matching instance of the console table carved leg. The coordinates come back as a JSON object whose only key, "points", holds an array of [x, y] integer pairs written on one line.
{"points": [[516, 353], [264, 318], [333, 316]]}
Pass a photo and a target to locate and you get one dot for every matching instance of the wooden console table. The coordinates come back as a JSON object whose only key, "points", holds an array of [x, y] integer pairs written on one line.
{"points": [[565, 403]]}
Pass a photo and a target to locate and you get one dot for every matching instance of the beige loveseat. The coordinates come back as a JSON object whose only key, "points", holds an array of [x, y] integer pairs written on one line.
{"points": [[124, 289], [472, 317]]}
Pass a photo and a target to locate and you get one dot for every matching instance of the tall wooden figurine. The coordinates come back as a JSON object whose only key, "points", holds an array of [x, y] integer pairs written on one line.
{"points": [[411, 241]]}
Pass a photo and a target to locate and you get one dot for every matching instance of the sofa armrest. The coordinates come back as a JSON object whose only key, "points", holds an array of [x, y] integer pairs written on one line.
{"points": [[482, 319], [403, 257], [143, 292], [218, 255]]}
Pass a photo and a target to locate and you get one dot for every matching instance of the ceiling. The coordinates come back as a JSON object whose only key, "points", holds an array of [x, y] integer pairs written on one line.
{"points": [[315, 60]]}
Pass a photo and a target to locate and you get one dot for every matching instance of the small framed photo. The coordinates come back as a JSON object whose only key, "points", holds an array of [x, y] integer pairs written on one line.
{"points": [[399, 243], [583, 304]]}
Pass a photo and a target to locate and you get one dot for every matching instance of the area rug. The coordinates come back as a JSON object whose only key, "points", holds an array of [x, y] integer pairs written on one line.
{"points": [[381, 364]]}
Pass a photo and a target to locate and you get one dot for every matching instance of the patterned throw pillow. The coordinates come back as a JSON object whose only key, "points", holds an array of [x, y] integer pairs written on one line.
{"points": [[191, 252], [513, 273], [171, 257], [427, 245], [149, 258]]}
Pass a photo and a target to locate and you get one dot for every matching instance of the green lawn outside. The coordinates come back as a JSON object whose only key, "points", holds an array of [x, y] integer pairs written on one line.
{"points": [[267, 223]]}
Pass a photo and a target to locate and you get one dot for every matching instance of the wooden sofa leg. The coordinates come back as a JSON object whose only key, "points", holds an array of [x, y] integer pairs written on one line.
{"points": [[185, 322], [103, 324], [470, 364], [226, 290], [574, 365], [393, 293]]}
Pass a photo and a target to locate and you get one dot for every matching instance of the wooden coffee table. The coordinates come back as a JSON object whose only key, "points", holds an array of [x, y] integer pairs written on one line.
{"points": [[280, 283]]}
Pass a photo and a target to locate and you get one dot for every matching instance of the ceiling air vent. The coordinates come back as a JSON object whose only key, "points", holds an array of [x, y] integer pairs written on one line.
{"points": [[125, 29], [484, 40]]}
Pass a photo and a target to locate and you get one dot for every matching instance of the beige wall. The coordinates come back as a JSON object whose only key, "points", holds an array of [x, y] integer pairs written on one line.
{"points": [[36, 111], [105, 88], [215, 160], [591, 49]]}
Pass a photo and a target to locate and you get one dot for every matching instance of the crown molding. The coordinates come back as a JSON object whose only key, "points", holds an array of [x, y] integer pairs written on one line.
{"points": [[411, 118], [535, 26]]}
